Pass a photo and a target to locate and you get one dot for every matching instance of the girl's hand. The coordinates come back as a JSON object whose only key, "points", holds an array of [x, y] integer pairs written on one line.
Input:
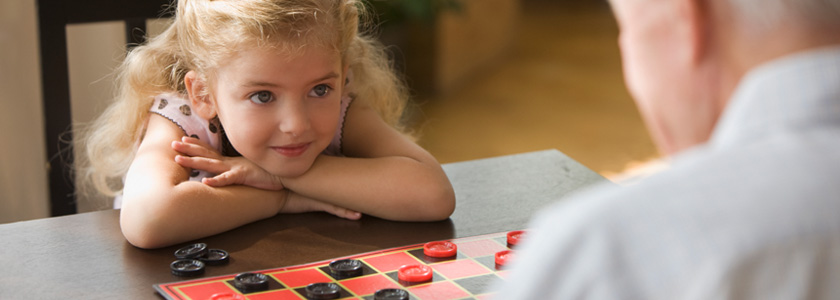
{"points": [[296, 203], [231, 170]]}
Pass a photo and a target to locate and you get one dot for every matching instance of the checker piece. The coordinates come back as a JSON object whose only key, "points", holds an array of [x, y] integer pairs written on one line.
{"points": [[415, 273], [440, 249], [192, 251], [390, 294], [251, 282], [503, 257], [215, 257], [323, 290], [514, 237], [187, 267], [227, 296], [346, 268]]}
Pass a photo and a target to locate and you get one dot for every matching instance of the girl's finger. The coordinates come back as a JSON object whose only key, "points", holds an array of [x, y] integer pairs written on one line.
{"points": [[344, 213], [202, 163], [218, 180], [195, 150], [192, 140]]}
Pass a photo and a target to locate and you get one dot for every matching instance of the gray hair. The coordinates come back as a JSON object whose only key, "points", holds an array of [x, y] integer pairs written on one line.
{"points": [[767, 15]]}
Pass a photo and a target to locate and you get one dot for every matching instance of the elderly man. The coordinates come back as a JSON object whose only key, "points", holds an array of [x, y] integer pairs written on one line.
{"points": [[745, 94]]}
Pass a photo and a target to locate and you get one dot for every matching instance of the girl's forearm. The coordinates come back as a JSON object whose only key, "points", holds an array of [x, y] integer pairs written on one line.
{"points": [[395, 188], [191, 210]]}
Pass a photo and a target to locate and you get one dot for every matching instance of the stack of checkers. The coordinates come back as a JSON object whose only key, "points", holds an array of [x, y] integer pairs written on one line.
{"points": [[464, 268], [503, 257], [191, 259]]}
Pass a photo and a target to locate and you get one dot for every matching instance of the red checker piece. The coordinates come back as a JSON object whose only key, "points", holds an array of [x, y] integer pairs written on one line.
{"points": [[227, 296], [504, 257], [515, 236], [415, 273], [203, 291], [283, 294], [440, 249]]}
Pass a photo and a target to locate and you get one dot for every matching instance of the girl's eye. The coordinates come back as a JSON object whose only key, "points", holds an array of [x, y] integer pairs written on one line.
{"points": [[320, 90], [261, 97]]}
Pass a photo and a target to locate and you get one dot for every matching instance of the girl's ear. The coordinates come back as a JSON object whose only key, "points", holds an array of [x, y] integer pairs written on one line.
{"points": [[201, 102], [346, 74]]}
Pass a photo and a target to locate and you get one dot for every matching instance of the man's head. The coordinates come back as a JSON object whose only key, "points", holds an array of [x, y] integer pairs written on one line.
{"points": [[683, 58]]}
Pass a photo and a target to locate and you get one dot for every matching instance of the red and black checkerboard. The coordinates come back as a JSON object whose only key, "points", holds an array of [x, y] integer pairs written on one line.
{"points": [[468, 275]]}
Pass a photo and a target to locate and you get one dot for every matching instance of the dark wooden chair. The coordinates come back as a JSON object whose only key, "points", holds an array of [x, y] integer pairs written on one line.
{"points": [[53, 17]]}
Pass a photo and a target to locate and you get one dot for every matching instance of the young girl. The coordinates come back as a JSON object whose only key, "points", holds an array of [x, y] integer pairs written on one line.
{"points": [[284, 100]]}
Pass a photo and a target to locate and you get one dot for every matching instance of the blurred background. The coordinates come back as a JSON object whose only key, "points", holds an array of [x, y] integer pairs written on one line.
{"points": [[489, 78]]}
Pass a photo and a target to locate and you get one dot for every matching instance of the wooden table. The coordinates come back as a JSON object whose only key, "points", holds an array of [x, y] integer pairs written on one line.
{"points": [[86, 256]]}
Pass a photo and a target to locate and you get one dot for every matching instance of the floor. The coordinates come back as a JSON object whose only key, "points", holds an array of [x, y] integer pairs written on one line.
{"points": [[559, 87]]}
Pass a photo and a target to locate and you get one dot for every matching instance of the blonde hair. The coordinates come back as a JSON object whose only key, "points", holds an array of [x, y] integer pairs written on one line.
{"points": [[205, 33]]}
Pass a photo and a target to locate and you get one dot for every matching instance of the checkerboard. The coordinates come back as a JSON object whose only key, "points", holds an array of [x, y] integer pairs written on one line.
{"points": [[468, 275]]}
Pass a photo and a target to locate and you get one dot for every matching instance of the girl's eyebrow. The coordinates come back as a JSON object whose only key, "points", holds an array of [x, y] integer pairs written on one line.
{"points": [[330, 75], [259, 84]]}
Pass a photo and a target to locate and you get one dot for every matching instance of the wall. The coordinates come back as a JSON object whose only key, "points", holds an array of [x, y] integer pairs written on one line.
{"points": [[22, 170], [473, 38], [94, 50]]}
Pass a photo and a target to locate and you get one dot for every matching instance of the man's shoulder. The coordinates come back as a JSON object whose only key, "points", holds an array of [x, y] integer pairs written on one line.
{"points": [[719, 197]]}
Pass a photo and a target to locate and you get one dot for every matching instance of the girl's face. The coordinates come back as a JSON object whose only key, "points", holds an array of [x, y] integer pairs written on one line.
{"points": [[279, 111]]}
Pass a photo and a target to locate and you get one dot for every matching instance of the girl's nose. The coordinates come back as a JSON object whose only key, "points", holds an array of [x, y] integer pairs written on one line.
{"points": [[293, 118]]}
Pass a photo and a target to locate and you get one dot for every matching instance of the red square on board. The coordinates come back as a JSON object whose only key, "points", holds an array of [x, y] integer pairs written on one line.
{"points": [[443, 290], [480, 248], [391, 261], [283, 294], [298, 278], [368, 285], [204, 290], [460, 268]]}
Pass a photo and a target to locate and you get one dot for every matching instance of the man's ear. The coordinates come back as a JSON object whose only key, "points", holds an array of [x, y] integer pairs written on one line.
{"points": [[698, 17], [200, 99]]}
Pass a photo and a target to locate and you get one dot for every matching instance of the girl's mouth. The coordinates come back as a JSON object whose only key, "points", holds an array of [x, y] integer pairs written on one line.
{"points": [[292, 150]]}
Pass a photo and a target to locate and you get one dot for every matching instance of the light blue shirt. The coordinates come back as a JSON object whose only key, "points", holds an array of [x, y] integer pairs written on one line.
{"points": [[752, 214]]}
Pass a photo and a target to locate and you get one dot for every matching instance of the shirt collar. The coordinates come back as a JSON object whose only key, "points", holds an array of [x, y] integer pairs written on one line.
{"points": [[794, 91]]}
